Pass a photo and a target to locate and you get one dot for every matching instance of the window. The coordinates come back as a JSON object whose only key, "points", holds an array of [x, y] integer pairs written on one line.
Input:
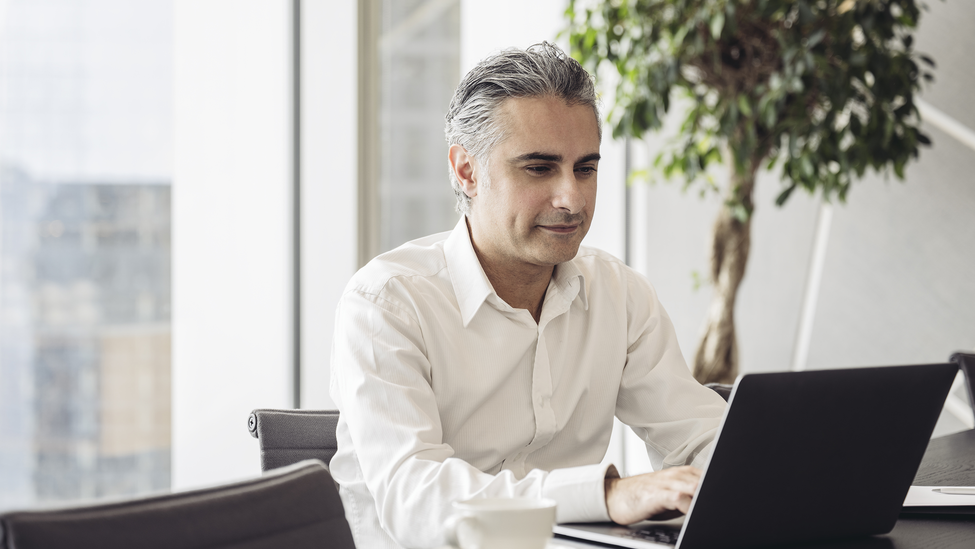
{"points": [[415, 52], [85, 132]]}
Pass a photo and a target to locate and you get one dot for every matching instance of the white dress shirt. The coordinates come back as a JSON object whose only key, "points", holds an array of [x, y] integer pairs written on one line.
{"points": [[447, 393]]}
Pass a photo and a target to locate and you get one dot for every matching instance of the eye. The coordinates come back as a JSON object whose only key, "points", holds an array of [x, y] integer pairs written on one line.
{"points": [[586, 171], [538, 170]]}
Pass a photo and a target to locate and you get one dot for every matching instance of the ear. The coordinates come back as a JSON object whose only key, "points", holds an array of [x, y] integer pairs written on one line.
{"points": [[462, 164]]}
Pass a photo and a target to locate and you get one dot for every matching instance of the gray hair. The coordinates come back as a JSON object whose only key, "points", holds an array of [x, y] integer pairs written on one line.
{"points": [[541, 70]]}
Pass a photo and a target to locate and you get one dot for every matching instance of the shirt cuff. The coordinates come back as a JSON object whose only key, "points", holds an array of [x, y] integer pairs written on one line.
{"points": [[580, 493]]}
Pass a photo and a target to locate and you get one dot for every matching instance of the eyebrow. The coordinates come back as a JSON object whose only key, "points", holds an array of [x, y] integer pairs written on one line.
{"points": [[546, 157]]}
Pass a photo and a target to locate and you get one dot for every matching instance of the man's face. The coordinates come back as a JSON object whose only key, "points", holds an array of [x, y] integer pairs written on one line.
{"points": [[541, 191]]}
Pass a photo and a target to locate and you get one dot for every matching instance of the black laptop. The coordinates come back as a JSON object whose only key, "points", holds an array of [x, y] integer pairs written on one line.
{"points": [[802, 457]]}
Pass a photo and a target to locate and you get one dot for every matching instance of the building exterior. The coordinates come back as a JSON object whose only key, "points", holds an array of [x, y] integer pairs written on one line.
{"points": [[85, 153], [85, 339]]}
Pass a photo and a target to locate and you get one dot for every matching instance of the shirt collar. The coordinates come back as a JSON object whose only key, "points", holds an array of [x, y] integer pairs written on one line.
{"points": [[471, 284], [565, 277]]}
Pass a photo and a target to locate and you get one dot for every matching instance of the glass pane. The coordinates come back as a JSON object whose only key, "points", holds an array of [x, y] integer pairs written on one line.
{"points": [[85, 148], [419, 50]]}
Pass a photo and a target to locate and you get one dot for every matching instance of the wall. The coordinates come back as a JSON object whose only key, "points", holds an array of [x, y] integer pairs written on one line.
{"points": [[232, 314], [328, 182]]}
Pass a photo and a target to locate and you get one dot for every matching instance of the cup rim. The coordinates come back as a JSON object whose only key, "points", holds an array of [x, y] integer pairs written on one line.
{"points": [[504, 504]]}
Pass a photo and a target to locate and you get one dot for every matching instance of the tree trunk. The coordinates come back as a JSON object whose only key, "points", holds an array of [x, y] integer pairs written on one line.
{"points": [[716, 360]]}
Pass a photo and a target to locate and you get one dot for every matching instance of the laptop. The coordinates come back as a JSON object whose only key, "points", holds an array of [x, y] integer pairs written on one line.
{"points": [[803, 457]]}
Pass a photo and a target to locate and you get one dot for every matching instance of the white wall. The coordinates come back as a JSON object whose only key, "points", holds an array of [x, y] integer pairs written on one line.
{"points": [[328, 174], [232, 315], [489, 27]]}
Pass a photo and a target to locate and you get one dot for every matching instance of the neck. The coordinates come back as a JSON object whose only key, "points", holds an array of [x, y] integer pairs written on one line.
{"points": [[520, 288], [519, 284]]}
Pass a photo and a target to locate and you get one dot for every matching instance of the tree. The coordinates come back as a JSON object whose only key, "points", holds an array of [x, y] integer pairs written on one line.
{"points": [[823, 88]]}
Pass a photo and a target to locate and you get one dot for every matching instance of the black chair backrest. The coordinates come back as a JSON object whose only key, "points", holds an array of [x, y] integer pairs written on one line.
{"points": [[721, 389], [297, 507], [966, 361], [289, 436]]}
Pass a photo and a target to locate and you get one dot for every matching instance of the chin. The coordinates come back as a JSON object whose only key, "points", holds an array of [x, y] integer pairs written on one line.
{"points": [[558, 254]]}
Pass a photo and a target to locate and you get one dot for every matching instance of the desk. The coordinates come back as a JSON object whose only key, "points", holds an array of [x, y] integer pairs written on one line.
{"points": [[948, 461]]}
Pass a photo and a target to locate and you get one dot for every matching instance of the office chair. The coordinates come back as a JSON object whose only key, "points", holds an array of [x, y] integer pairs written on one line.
{"points": [[723, 390], [289, 436], [966, 361], [295, 507]]}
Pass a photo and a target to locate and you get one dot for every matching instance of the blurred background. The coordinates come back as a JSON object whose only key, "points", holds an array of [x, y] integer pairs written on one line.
{"points": [[187, 185]]}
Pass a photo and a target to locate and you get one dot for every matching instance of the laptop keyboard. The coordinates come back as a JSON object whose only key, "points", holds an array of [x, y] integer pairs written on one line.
{"points": [[657, 534]]}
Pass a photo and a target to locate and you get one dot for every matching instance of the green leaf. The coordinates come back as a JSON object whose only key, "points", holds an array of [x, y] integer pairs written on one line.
{"points": [[784, 195], [739, 212], [806, 166], [638, 176], [743, 105], [678, 38], [815, 38], [717, 23]]}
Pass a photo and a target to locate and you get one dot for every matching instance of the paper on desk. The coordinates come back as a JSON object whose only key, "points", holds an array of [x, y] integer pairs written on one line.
{"points": [[925, 496]]}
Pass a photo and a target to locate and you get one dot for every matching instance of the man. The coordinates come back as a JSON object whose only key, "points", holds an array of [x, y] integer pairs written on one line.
{"points": [[489, 361]]}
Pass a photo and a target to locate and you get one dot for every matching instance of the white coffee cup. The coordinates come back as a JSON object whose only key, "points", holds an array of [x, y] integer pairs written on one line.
{"points": [[501, 523]]}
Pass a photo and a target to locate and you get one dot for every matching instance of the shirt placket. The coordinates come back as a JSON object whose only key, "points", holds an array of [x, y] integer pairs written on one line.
{"points": [[545, 421]]}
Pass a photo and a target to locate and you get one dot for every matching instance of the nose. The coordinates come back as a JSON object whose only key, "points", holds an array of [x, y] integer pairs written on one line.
{"points": [[568, 194]]}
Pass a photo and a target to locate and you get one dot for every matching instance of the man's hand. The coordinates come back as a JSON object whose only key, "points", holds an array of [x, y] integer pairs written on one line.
{"points": [[659, 495]]}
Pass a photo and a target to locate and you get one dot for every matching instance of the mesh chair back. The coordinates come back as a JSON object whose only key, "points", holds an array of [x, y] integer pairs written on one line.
{"points": [[289, 436], [297, 507]]}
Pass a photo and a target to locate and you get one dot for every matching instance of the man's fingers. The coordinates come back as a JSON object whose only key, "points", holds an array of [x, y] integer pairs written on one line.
{"points": [[643, 496], [685, 481], [682, 486], [689, 474], [670, 505], [677, 499]]}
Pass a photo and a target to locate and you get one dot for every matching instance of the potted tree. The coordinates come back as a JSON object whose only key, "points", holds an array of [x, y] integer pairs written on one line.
{"points": [[824, 89]]}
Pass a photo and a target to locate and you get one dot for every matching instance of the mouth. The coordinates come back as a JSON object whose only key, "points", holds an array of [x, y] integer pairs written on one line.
{"points": [[560, 229]]}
